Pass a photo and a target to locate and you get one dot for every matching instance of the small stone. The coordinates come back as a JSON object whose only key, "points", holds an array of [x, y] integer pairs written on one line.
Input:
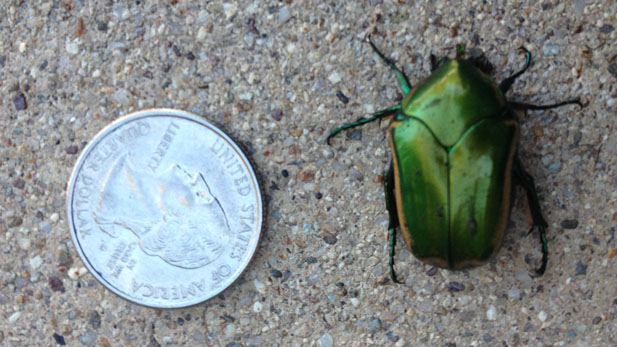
{"points": [[56, 284], [581, 268], [14, 221], [555, 167], [88, 338], [59, 339], [306, 175], [72, 149], [596, 320], [529, 328], [230, 10], [24, 243], [606, 29], [455, 287], [94, 319], [257, 306], [355, 302], [487, 338], [342, 97], [612, 69], [514, 293], [54, 217], [467, 316], [75, 273], [329, 239], [19, 183], [284, 14], [286, 275], [14, 317], [325, 340], [20, 102], [356, 175], [550, 49], [491, 313], [542, 316], [35, 277], [356, 135], [310, 260], [569, 223], [374, 325], [80, 28], [277, 114], [390, 335], [276, 273], [432, 271], [64, 258], [334, 78], [72, 48], [259, 286], [101, 26], [199, 336], [36, 262], [201, 33]]}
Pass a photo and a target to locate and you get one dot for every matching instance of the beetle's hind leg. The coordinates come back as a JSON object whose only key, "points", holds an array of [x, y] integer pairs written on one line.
{"points": [[391, 207], [524, 106], [526, 180], [388, 112], [507, 83]]}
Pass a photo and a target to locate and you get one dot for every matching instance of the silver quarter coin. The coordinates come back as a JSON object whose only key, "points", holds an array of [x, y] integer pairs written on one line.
{"points": [[164, 208]]}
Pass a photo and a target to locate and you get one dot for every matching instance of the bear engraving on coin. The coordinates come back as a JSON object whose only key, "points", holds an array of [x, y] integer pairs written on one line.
{"points": [[172, 212]]}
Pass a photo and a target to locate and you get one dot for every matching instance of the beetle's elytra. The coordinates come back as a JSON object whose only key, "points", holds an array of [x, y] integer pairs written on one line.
{"points": [[454, 144]]}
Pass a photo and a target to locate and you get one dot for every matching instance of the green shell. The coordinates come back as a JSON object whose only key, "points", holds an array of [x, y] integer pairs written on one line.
{"points": [[454, 142]]}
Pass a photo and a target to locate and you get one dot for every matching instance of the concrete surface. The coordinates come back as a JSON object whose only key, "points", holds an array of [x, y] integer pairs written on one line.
{"points": [[268, 74]]}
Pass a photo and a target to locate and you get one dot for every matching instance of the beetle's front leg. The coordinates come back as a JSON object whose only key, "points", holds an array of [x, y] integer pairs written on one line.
{"points": [[400, 75], [388, 112], [391, 207], [526, 180]]}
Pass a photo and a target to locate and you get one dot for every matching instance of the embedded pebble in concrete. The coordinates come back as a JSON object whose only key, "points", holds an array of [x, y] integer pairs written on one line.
{"points": [[278, 77]]}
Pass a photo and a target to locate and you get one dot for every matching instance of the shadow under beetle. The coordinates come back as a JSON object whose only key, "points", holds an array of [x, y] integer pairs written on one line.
{"points": [[454, 162]]}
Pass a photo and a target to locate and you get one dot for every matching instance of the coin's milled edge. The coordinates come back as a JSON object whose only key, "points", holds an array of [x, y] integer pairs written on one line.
{"points": [[259, 223]]}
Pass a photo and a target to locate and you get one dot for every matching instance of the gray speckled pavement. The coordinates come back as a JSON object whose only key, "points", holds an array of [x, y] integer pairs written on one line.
{"points": [[268, 73]]}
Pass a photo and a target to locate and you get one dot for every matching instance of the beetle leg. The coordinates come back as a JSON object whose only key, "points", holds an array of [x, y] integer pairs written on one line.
{"points": [[390, 111], [391, 207], [400, 75], [507, 83], [524, 106], [526, 180]]}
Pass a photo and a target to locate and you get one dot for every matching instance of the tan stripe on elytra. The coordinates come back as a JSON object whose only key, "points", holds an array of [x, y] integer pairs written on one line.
{"points": [[402, 221]]}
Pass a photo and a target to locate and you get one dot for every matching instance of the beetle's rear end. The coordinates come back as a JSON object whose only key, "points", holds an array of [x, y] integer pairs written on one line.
{"points": [[453, 150]]}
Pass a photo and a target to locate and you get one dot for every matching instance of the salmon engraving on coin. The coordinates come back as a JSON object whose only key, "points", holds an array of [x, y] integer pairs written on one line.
{"points": [[164, 208]]}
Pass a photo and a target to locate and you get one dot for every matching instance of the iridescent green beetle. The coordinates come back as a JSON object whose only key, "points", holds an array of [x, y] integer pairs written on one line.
{"points": [[454, 144]]}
